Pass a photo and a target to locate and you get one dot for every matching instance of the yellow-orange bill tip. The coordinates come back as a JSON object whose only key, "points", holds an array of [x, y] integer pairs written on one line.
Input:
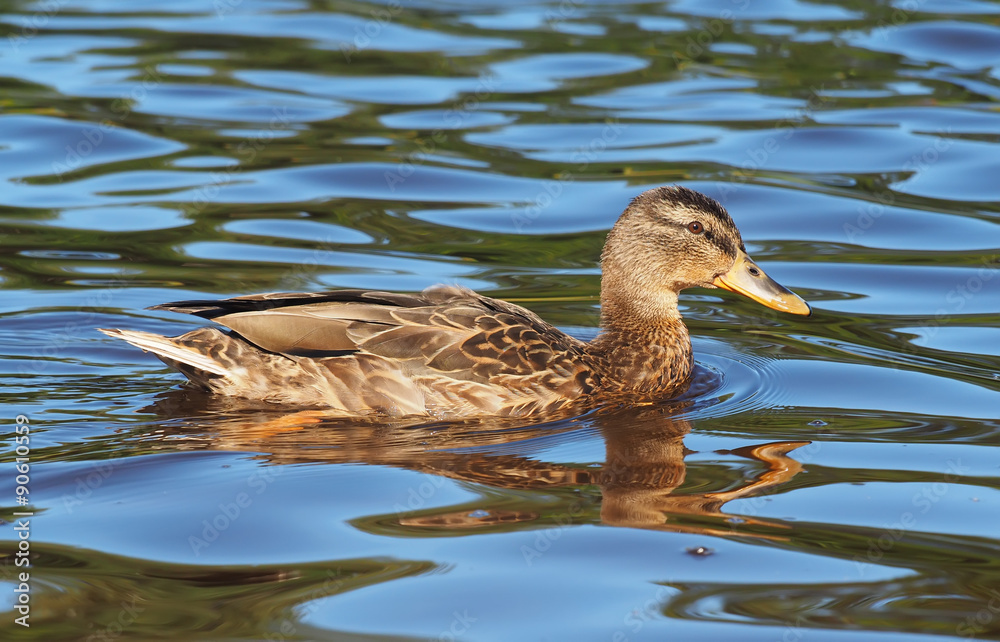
{"points": [[746, 278]]}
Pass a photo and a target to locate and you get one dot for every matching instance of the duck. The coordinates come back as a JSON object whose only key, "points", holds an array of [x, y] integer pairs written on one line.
{"points": [[449, 352]]}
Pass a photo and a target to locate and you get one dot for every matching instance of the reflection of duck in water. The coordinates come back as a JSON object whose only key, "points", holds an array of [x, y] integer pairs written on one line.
{"points": [[450, 352], [636, 485]]}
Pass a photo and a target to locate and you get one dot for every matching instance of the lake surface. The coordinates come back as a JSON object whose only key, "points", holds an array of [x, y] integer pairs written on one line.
{"points": [[826, 478]]}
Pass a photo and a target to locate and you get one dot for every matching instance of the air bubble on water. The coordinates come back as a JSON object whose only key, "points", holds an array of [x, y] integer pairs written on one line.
{"points": [[700, 551]]}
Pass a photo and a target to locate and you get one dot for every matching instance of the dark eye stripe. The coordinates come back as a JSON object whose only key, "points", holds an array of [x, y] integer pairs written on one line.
{"points": [[720, 242]]}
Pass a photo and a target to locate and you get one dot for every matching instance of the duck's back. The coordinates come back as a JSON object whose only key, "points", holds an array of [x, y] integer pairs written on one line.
{"points": [[447, 351]]}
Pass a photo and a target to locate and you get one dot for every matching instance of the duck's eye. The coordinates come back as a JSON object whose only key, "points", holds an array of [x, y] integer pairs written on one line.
{"points": [[695, 227]]}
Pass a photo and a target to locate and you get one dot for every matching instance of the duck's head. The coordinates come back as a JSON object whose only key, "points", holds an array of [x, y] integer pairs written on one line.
{"points": [[672, 238]]}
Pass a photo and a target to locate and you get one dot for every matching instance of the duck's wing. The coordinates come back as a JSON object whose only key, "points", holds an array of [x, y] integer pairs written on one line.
{"points": [[446, 333], [303, 323]]}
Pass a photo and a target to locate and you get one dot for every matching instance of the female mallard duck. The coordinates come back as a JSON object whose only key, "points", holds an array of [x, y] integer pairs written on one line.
{"points": [[450, 352]]}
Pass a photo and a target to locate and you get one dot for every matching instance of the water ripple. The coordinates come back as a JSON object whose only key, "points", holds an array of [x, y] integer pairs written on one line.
{"points": [[191, 149]]}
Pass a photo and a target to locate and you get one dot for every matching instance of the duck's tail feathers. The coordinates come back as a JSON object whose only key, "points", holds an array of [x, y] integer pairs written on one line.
{"points": [[171, 352]]}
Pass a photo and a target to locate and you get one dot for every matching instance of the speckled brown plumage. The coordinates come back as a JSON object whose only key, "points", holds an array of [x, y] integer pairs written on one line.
{"points": [[450, 352]]}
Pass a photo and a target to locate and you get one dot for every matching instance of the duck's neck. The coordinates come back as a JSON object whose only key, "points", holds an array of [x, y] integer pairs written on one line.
{"points": [[644, 346]]}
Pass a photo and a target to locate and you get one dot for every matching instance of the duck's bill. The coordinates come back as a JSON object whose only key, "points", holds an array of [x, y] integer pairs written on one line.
{"points": [[746, 278]]}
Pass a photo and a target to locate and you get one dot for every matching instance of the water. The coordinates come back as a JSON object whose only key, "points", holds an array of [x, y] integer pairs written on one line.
{"points": [[827, 478]]}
